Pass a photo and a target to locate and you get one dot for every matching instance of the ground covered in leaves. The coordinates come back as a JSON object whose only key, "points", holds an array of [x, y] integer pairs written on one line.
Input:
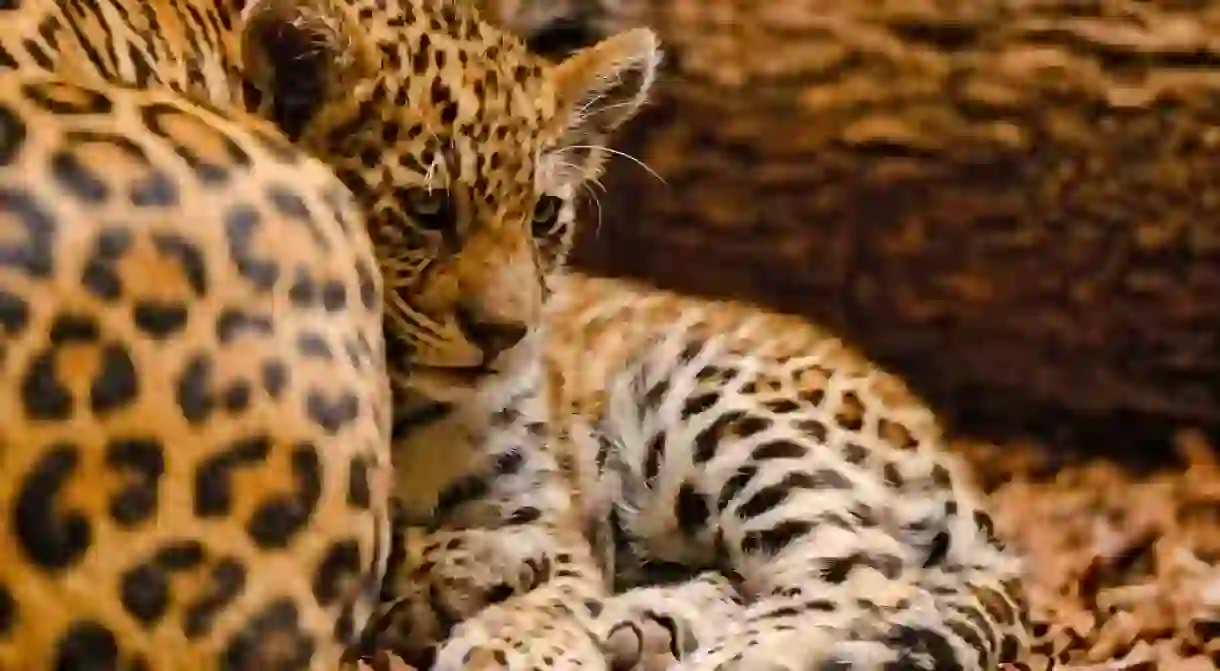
{"points": [[1124, 565]]}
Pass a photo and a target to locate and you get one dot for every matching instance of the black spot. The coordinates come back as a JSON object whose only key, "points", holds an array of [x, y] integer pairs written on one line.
{"points": [[332, 415], [304, 290], [855, 453], [13, 133], [272, 639], [87, 646], [116, 384], [358, 493], [782, 406], [525, 515], [157, 190], [43, 396], [340, 565], [228, 579], [159, 319], [334, 296], [99, 276], [180, 555], [214, 476], [144, 460], [697, 404], [919, 647], [812, 428], [775, 539], [241, 224], [709, 439], [771, 496], [35, 254], [74, 328], [77, 180], [194, 390], [14, 313], [64, 99], [51, 538], [236, 398], [734, 485], [144, 592], [313, 346], [838, 569], [778, 449], [287, 203], [275, 522], [764, 500], [8, 611], [233, 322], [275, 377], [692, 510]]}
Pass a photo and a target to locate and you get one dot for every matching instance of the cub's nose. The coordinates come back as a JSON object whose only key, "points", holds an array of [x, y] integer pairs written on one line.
{"points": [[492, 337]]}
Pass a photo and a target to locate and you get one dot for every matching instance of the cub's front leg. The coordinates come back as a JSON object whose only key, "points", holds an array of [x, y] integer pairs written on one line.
{"points": [[499, 573]]}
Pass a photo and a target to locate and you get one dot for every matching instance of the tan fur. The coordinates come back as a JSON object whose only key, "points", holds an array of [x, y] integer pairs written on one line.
{"points": [[404, 101]]}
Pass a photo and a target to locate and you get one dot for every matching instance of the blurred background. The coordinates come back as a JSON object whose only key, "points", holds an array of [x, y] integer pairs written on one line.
{"points": [[1015, 204]]}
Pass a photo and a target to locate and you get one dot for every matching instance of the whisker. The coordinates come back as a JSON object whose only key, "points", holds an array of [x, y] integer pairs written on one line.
{"points": [[625, 155]]}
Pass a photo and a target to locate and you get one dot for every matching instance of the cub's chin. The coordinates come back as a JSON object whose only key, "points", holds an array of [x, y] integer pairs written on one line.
{"points": [[451, 385], [482, 385]]}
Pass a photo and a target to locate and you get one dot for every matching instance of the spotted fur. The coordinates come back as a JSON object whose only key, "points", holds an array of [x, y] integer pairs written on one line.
{"points": [[198, 420], [769, 499], [187, 481]]}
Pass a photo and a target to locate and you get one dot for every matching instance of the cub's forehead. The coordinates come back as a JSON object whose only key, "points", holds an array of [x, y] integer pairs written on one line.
{"points": [[479, 92]]}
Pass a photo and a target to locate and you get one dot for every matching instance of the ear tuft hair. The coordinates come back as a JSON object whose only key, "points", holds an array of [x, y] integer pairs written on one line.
{"points": [[601, 87]]}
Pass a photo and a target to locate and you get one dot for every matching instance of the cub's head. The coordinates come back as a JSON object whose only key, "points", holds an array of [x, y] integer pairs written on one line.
{"points": [[466, 151]]}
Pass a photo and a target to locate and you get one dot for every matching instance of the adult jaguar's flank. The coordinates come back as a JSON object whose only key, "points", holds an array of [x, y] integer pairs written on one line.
{"points": [[194, 458]]}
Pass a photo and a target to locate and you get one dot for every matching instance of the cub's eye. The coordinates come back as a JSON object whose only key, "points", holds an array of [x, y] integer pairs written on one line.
{"points": [[546, 213], [428, 207]]}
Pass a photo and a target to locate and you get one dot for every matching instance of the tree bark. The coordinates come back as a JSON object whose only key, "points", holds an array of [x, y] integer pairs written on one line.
{"points": [[1014, 203]]}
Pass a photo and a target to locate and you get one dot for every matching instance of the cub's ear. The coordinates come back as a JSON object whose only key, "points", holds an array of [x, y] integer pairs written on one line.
{"points": [[301, 55], [601, 87]]}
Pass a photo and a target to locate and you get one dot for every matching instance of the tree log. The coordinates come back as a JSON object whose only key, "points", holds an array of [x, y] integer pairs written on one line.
{"points": [[1014, 203]]}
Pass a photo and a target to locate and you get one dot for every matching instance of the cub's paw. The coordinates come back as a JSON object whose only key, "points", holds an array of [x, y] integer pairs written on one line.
{"points": [[448, 577], [523, 634], [645, 640], [653, 628], [465, 571]]}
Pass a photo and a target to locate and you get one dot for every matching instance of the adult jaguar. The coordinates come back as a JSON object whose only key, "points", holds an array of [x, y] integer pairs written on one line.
{"points": [[197, 415]]}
